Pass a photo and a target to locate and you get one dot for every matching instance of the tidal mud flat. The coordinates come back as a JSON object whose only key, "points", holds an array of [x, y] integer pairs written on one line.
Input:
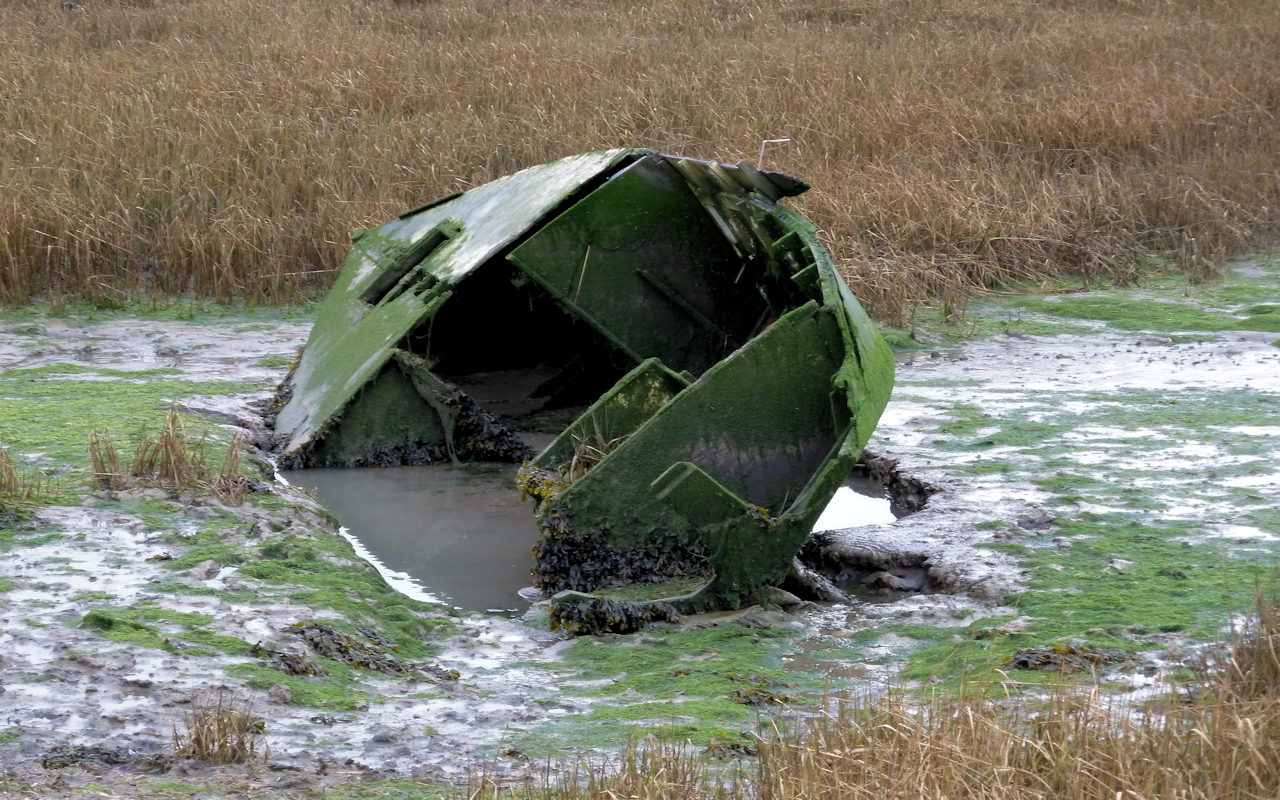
{"points": [[1075, 479]]}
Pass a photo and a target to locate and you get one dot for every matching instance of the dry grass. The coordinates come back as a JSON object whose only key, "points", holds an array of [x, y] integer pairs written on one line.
{"points": [[1075, 745], [1253, 673], [21, 487], [105, 462], [221, 730], [230, 146], [173, 461], [587, 452]]}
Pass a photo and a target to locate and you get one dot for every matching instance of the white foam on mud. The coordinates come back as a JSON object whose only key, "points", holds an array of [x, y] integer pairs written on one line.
{"points": [[1256, 430], [1099, 432], [1241, 532], [402, 582], [1254, 481]]}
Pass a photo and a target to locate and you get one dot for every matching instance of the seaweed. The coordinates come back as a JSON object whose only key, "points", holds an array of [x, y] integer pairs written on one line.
{"points": [[330, 642], [591, 615], [1065, 658]]}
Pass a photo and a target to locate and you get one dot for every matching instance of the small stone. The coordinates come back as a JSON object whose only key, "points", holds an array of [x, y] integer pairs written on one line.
{"points": [[1037, 520], [383, 736], [779, 597], [280, 694], [887, 580]]}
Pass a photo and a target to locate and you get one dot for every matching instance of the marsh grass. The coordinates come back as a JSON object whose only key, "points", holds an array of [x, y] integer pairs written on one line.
{"points": [[1253, 672], [1072, 742], [25, 486], [105, 462], [229, 147], [221, 730], [172, 461]]}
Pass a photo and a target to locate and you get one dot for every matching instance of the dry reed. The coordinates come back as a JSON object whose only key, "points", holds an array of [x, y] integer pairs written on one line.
{"points": [[229, 484], [21, 487], [172, 461], [228, 147], [587, 452], [10, 481], [105, 462], [221, 731], [1253, 671]]}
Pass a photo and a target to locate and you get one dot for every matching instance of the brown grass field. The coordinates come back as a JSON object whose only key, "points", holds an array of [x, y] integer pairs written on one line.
{"points": [[229, 147]]}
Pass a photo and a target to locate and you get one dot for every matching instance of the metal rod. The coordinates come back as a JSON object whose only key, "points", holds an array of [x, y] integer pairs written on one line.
{"points": [[763, 142]]}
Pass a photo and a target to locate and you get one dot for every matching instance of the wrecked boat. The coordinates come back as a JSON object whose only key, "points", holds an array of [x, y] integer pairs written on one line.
{"points": [[708, 377]]}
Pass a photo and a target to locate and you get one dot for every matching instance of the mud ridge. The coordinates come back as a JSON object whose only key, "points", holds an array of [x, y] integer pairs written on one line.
{"points": [[928, 550]]}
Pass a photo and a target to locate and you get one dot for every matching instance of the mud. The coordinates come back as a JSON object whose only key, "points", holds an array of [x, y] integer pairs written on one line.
{"points": [[1038, 470]]}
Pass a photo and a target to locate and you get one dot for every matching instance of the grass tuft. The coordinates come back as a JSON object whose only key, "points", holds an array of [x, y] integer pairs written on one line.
{"points": [[173, 461], [1253, 672], [221, 730], [21, 487]]}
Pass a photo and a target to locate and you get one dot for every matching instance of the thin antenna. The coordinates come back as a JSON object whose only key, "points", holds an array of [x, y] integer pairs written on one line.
{"points": [[763, 142]]}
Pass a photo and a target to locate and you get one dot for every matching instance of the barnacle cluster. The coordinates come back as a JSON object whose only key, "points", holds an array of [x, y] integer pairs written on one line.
{"points": [[1065, 658], [288, 663], [477, 435], [602, 615], [331, 643], [588, 563], [566, 559], [281, 396]]}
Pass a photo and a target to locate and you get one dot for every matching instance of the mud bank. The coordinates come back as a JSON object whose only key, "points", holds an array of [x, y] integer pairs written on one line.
{"points": [[1082, 482]]}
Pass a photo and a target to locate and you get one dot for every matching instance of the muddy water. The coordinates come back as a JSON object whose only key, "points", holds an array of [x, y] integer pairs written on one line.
{"points": [[460, 531], [461, 534], [860, 501]]}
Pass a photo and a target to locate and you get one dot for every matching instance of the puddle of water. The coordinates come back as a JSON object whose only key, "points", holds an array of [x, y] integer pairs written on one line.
{"points": [[821, 658], [461, 531], [459, 534], [859, 501], [1242, 532]]}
